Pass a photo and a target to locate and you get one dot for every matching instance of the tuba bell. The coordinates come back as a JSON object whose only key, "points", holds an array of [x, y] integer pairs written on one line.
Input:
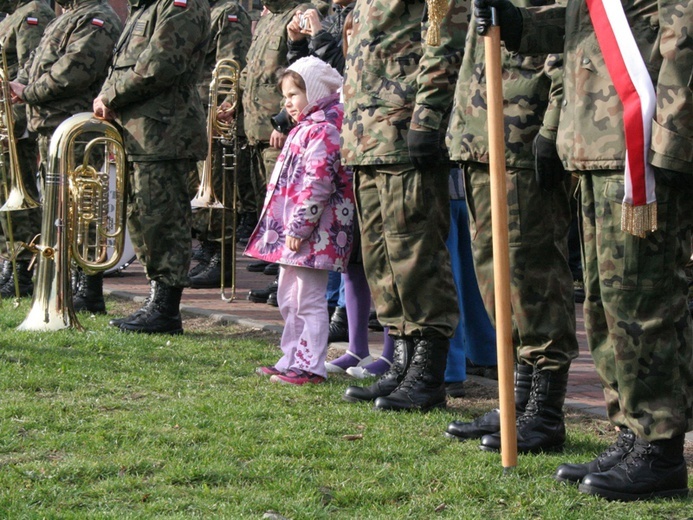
{"points": [[77, 227]]}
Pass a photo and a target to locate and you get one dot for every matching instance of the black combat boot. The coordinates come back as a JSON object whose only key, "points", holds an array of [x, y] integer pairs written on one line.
{"points": [[423, 386], [89, 294], [203, 255], [116, 322], [339, 326], [210, 276], [490, 421], [651, 469], [606, 460], [541, 427], [262, 295], [386, 384], [162, 315], [6, 272], [26, 285]]}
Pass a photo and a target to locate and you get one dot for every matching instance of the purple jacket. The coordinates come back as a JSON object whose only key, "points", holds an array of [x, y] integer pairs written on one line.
{"points": [[309, 195]]}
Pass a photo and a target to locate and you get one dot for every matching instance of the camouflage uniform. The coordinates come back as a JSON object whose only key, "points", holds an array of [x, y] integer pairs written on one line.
{"points": [[540, 285], [20, 34], [638, 325], [261, 96], [230, 38], [152, 87], [403, 213]]}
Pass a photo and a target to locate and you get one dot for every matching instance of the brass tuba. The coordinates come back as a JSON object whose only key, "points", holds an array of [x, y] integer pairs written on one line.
{"points": [[76, 226], [223, 87]]}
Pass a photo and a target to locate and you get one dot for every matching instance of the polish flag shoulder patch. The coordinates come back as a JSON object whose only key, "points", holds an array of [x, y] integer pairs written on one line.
{"points": [[97, 21], [232, 18], [180, 3], [32, 20]]}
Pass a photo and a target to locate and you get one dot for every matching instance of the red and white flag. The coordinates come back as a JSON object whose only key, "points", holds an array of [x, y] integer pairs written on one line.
{"points": [[180, 3], [97, 21], [233, 18], [636, 92], [32, 20]]}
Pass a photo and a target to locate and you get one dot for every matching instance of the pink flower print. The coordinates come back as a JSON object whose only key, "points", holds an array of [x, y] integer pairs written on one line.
{"points": [[345, 212]]}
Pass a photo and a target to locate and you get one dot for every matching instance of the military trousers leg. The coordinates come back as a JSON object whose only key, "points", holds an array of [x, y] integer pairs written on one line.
{"points": [[160, 218], [541, 285], [263, 158], [404, 218], [636, 314]]}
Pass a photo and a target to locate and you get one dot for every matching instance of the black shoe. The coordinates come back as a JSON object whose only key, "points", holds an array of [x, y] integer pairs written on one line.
{"points": [[423, 386], [579, 291], [339, 326], [204, 251], [257, 267], [541, 427], [271, 270], [6, 272], [455, 389], [262, 295], [606, 460], [89, 295], [649, 470], [163, 314], [117, 322], [272, 300], [210, 276], [26, 284], [246, 228], [373, 323], [388, 382]]}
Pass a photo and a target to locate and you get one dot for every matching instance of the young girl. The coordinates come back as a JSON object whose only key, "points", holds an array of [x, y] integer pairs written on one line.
{"points": [[306, 225]]}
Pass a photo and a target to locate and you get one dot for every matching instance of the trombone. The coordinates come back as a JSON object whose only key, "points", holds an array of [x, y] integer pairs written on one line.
{"points": [[16, 198], [223, 87]]}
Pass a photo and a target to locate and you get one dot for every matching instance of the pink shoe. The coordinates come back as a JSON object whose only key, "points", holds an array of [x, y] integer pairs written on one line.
{"points": [[267, 371], [297, 377]]}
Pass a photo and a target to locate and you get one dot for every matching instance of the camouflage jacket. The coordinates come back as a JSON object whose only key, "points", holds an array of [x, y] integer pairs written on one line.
{"points": [[261, 96], [21, 31], [380, 79], [152, 84], [230, 38], [527, 87], [590, 132], [65, 72]]}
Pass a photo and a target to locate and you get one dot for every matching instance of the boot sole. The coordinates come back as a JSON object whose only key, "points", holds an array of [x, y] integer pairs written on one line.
{"points": [[631, 497], [413, 408], [470, 438], [356, 400], [534, 451], [174, 332]]}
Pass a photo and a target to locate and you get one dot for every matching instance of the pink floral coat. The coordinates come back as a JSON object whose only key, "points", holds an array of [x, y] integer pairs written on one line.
{"points": [[309, 195]]}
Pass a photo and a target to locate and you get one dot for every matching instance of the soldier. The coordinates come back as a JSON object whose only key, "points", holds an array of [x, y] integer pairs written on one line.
{"points": [[151, 90], [230, 39], [60, 79], [403, 203], [20, 34], [539, 218], [637, 220]]}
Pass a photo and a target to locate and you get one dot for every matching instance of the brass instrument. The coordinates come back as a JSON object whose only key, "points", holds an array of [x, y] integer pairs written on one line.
{"points": [[223, 87], [16, 198], [76, 227]]}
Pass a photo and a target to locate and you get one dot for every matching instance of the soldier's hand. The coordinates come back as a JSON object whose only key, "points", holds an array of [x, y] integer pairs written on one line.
{"points": [[16, 92], [293, 29], [508, 17], [424, 148], [548, 167], [277, 139], [101, 111], [225, 112]]}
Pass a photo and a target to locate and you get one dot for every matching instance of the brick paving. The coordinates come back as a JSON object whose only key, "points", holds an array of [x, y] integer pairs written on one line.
{"points": [[584, 390]]}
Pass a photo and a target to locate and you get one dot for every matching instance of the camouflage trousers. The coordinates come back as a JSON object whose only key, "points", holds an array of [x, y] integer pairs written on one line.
{"points": [[263, 157], [404, 217], [541, 285], [637, 319], [207, 223], [160, 218], [26, 224]]}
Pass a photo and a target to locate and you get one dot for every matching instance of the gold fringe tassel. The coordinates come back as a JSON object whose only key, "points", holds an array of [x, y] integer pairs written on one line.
{"points": [[436, 13], [639, 220]]}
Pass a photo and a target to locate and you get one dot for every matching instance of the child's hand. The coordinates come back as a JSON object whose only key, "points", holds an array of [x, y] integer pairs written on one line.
{"points": [[293, 243]]}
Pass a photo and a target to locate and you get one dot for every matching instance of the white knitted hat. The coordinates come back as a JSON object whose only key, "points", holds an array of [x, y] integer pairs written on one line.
{"points": [[320, 78]]}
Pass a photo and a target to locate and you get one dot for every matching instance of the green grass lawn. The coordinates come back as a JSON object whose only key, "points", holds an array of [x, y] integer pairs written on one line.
{"points": [[100, 424]]}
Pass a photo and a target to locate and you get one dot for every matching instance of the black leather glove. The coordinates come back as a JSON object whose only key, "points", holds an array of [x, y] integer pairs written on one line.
{"points": [[509, 20], [424, 148], [548, 168]]}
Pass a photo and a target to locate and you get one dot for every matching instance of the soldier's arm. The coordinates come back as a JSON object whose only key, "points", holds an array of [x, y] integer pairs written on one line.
{"points": [[672, 132], [166, 57], [87, 55], [553, 67], [234, 35], [28, 36], [439, 67]]}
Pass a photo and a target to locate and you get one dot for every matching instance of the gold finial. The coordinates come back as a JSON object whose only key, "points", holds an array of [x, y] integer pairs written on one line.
{"points": [[436, 13]]}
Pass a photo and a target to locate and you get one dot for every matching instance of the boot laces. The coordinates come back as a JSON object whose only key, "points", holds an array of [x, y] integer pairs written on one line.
{"points": [[639, 452]]}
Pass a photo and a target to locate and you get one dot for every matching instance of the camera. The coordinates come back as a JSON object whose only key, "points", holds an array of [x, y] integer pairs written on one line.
{"points": [[282, 122], [303, 22]]}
